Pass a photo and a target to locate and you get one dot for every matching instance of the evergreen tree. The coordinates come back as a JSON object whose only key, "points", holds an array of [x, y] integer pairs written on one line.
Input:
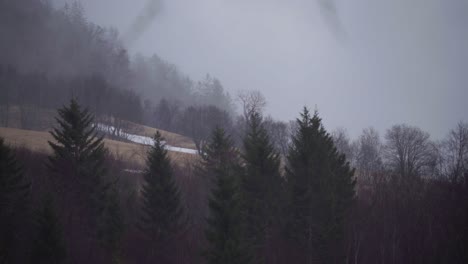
{"points": [[322, 190], [112, 225], [78, 173], [13, 186], [48, 245], [261, 188], [14, 191], [221, 164], [162, 215]]}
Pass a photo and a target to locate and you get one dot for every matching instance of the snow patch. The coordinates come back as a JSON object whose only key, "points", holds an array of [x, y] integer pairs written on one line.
{"points": [[142, 139]]}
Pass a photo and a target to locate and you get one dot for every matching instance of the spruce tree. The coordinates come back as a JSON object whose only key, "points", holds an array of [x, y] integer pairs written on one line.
{"points": [[321, 191], [14, 191], [261, 188], [13, 185], [78, 172], [112, 225], [162, 215], [48, 244], [221, 164]]}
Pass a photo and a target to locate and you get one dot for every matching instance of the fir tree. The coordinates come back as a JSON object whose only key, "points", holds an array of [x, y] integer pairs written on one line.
{"points": [[221, 164], [261, 187], [322, 190], [112, 225], [162, 215], [78, 171], [48, 245], [13, 186], [14, 191]]}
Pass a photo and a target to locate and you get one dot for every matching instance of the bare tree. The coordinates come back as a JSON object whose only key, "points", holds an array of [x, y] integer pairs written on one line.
{"points": [[453, 153], [252, 102], [342, 143], [369, 154], [279, 133], [408, 151]]}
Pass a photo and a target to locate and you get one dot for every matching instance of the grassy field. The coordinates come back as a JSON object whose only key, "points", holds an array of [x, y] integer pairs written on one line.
{"points": [[43, 120], [172, 139], [135, 153]]}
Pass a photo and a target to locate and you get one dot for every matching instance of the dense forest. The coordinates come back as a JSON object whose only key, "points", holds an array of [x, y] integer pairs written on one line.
{"points": [[402, 200], [258, 191], [50, 55]]}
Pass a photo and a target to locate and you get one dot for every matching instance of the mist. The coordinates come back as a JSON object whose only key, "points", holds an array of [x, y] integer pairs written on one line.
{"points": [[362, 63], [260, 131]]}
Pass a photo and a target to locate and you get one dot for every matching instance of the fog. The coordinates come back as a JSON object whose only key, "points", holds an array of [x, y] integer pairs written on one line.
{"points": [[167, 127], [362, 63]]}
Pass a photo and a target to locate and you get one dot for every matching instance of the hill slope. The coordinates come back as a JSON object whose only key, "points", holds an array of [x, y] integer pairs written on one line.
{"points": [[132, 152]]}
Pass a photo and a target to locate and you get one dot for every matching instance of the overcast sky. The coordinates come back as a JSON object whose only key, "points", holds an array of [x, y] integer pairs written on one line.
{"points": [[376, 63]]}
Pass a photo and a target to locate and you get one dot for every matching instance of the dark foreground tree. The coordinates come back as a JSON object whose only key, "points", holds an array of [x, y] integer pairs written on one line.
{"points": [[112, 225], [48, 244], [261, 186], [321, 192], [221, 164], [162, 215], [78, 174], [14, 191]]}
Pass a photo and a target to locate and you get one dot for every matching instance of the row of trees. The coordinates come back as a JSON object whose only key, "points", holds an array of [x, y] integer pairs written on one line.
{"points": [[412, 195], [253, 205], [91, 64], [27, 98], [55, 53], [197, 122], [411, 204], [407, 152], [251, 209]]}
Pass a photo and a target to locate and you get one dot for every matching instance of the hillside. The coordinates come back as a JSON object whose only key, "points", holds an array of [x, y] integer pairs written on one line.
{"points": [[172, 139], [37, 141], [44, 120]]}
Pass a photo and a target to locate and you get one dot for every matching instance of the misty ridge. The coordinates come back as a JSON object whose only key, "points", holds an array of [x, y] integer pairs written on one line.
{"points": [[61, 44], [112, 157]]}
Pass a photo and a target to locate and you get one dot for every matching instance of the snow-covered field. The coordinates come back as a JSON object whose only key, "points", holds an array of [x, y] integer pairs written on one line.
{"points": [[142, 139]]}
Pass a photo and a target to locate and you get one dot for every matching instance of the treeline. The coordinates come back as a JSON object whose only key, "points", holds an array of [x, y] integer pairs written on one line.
{"points": [[50, 54], [27, 97], [238, 205], [244, 205], [413, 195], [27, 100]]}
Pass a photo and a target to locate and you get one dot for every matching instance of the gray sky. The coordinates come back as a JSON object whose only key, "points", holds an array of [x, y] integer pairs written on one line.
{"points": [[379, 62]]}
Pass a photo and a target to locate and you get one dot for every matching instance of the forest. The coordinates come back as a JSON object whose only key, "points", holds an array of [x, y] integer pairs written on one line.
{"points": [[258, 189]]}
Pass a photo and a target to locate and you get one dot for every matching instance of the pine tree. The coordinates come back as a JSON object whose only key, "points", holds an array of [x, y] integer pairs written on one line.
{"points": [[48, 245], [221, 164], [13, 186], [322, 190], [78, 173], [162, 215], [261, 187], [112, 225], [14, 191]]}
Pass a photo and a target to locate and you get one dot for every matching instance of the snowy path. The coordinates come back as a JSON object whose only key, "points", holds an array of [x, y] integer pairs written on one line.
{"points": [[143, 140]]}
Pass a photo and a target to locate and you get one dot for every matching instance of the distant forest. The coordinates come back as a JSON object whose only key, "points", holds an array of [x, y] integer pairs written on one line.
{"points": [[258, 191], [50, 55]]}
